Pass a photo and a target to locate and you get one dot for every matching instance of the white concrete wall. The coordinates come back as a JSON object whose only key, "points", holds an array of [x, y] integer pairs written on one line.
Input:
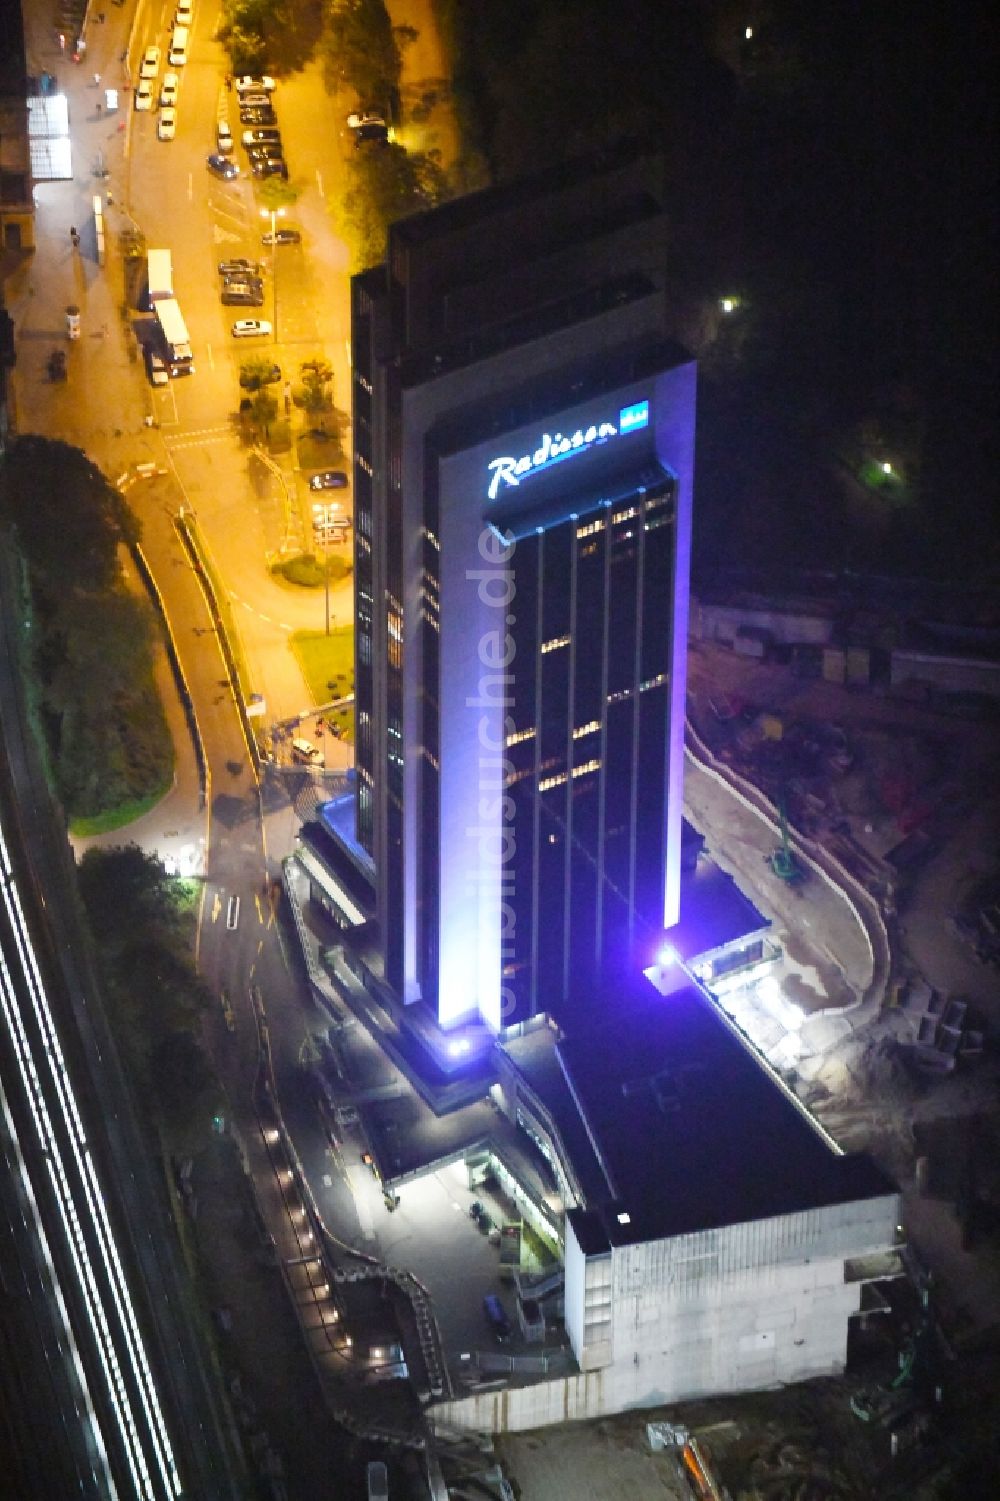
{"points": [[724, 622], [737, 1309], [574, 1275], [952, 674]]}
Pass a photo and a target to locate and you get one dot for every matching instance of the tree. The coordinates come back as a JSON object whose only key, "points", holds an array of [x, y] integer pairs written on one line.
{"points": [[362, 51], [126, 892], [264, 409], [70, 520], [274, 194], [187, 1091], [258, 372], [387, 185], [315, 395]]}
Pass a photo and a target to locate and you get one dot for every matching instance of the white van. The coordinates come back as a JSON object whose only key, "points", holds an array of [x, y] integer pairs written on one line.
{"points": [[378, 1481], [178, 54]]}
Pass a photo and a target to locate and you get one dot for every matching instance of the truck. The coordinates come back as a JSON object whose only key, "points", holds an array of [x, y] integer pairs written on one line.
{"points": [[175, 334], [159, 275]]}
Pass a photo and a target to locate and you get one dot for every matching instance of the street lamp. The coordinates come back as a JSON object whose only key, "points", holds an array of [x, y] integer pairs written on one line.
{"points": [[324, 523], [274, 214]]}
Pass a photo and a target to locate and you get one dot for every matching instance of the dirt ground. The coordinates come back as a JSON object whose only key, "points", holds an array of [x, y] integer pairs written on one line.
{"points": [[609, 1460]]}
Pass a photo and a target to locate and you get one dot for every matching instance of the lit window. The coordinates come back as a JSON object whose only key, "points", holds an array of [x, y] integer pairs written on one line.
{"points": [[589, 530], [587, 767], [554, 644], [520, 735], [584, 729]]}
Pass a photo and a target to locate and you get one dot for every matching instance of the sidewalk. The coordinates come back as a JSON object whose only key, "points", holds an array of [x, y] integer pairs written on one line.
{"points": [[79, 410]]}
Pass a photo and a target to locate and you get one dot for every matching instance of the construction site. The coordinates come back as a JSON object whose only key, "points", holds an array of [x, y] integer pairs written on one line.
{"points": [[894, 1050]]}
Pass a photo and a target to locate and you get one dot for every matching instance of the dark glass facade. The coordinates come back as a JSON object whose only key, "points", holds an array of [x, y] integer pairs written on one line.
{"points": [[576, 758]]}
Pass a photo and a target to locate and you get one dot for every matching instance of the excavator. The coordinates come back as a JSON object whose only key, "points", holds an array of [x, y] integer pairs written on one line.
{"points": [[781, 860]]}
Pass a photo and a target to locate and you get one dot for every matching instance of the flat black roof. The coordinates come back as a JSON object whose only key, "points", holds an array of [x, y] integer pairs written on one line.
{"points": [[691, 1129], [714, 912]]}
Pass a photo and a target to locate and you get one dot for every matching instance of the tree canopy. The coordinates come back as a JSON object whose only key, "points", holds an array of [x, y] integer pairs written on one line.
{"points": [[92, 640], [140, 919]]}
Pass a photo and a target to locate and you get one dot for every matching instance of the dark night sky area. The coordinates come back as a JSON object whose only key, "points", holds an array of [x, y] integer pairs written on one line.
{"points": [[839, 175]]}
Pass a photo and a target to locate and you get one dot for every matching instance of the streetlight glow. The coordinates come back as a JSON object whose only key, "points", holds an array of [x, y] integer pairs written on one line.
{"points": [[274, 214], [324, 518]]}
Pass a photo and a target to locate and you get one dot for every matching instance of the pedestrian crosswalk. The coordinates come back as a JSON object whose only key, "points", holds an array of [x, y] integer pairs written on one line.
{"points": [[198, 438]]}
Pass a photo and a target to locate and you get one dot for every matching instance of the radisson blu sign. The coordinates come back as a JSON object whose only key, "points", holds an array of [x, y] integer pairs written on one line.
{"points": [[554, 448]]}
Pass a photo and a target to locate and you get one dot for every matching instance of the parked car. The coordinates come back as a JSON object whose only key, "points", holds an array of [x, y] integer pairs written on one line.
{"points": [[282, 237], [260, 134], [168, 90], [329, 479], [266, 152], [496, 1317], [258, 114], [166, 125], [249, 328], [377, 1479], [376, 135], [251, 285], [240, 266], [261, 377], [249, 83], [270, 166], [224, 137], [306, 753], [242, 294], [150, 65], [221, 166], [143, 94], [255, 101], [366, 117], [159, 375], [243, 284]]}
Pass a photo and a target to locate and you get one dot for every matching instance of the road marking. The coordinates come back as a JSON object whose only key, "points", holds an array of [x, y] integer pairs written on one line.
{"points": [[195, 441], [260, 914], [200, 432], [233, 913], [211, 357], [190, 187], [319, 181], [216, 907]]}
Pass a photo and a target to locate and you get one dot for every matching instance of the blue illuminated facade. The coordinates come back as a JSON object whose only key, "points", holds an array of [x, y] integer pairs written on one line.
{"points": [[524, 436]]}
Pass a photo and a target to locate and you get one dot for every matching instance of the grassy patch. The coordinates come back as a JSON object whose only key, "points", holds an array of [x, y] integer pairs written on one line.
{"points": [[321, 453], [327, 664], [307, 571], [117, 818]]}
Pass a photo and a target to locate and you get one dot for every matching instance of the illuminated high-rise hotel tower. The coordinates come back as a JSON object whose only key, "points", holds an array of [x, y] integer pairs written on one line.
{"points": [[524, 446]]}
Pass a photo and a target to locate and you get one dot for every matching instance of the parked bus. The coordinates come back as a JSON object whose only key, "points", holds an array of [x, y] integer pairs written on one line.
{"points": [[160, 275], [175, 334]]}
